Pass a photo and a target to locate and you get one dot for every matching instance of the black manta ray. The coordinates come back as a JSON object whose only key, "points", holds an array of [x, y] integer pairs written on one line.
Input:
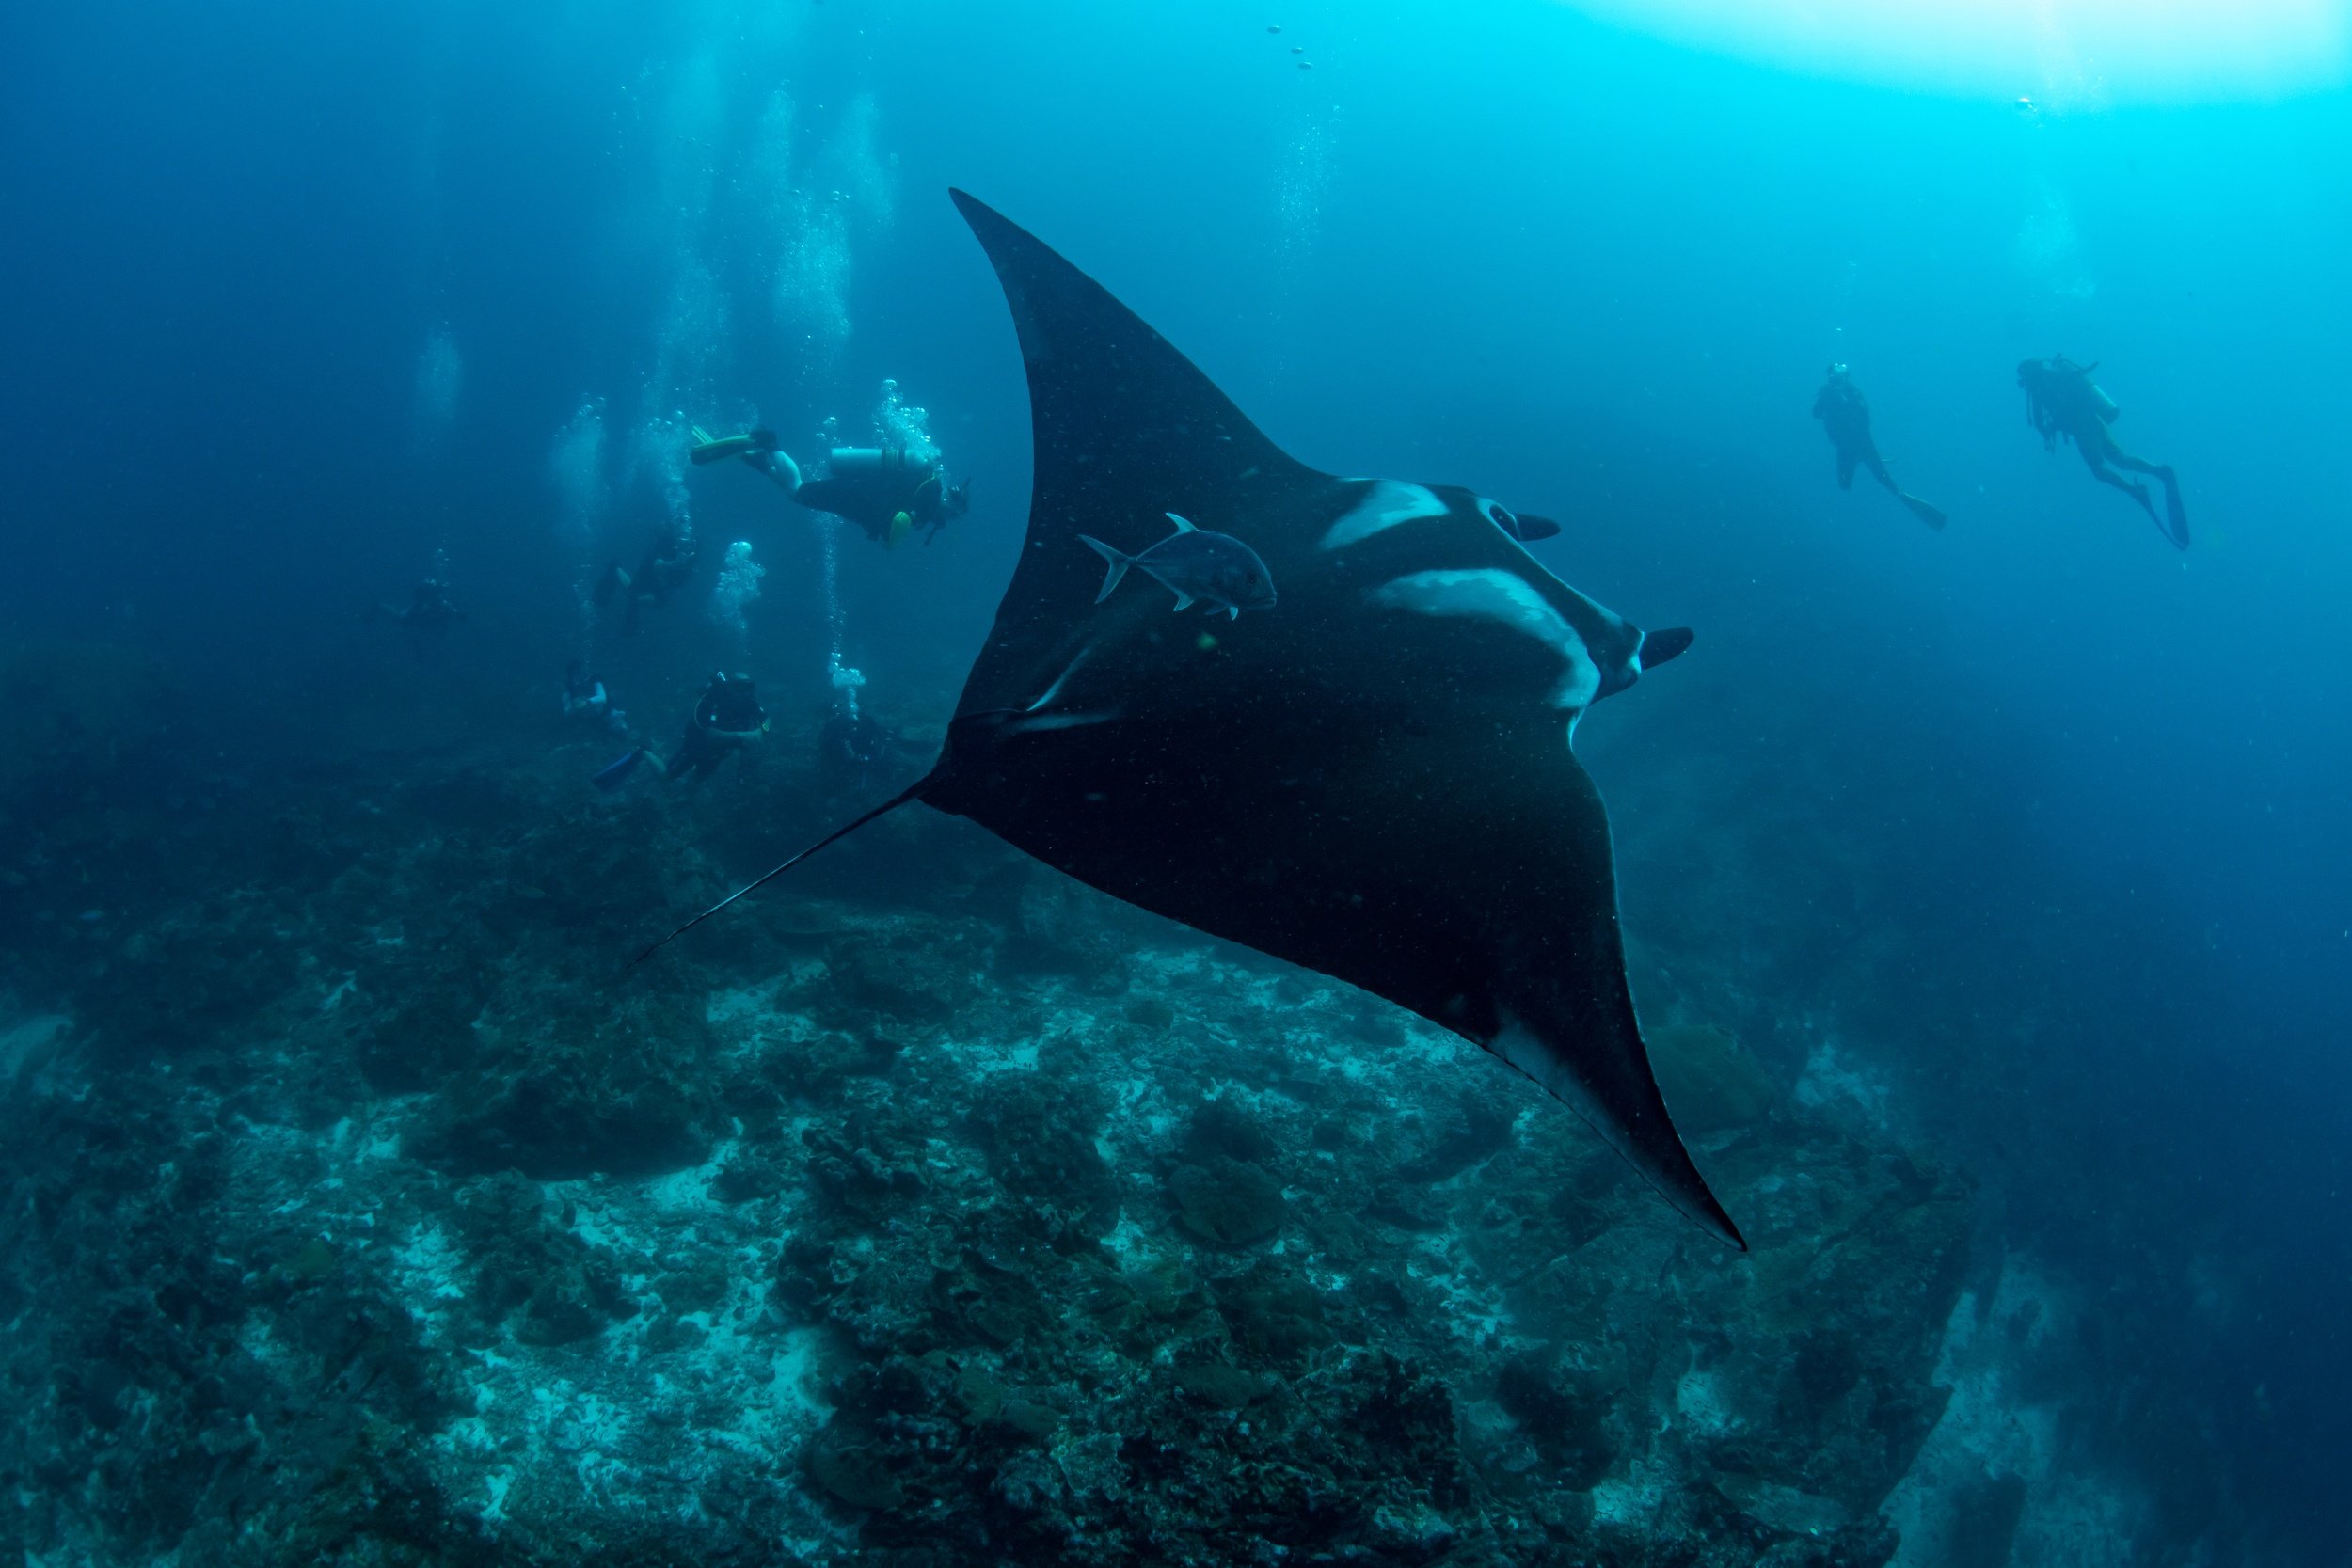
{"points": [[1370, 778]]}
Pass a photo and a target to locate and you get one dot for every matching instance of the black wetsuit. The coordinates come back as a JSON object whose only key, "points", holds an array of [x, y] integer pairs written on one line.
{"points": [[727, 719], [877, 496], [2061, 400], [851, 752], [1845, 415], [429, 609], [668, 561]]}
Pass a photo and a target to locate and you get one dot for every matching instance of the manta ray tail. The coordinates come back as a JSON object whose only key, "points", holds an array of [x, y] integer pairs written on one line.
{"points": [[1119, 561], [912, 792]]}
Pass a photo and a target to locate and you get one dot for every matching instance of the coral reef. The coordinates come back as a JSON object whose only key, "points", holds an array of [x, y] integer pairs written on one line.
{"points": [[373, 1216]]}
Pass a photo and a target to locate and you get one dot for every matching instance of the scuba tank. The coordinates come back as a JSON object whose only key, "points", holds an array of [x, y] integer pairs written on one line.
{"points": [[864, 462], [2093, 396], [884, 471]]}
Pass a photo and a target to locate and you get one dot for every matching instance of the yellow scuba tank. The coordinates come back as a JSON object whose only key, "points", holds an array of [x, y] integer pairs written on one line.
{"points": [[900, 526]]}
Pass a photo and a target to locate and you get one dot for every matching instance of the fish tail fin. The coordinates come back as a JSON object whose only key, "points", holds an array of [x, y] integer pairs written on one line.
{"points": [[912, 792], [1119, 561]]}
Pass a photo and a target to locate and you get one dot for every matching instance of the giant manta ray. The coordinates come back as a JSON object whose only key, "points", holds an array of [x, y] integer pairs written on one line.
{"points": [[1372, 778]]}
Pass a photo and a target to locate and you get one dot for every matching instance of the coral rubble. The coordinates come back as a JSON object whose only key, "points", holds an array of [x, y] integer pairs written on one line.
{"points": [[371, 1216]]}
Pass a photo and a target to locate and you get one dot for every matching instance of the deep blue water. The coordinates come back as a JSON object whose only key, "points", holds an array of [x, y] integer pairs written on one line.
{"points": [[2081, 797]]}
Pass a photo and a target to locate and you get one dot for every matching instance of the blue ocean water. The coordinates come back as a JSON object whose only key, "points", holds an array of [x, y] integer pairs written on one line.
{"points": [[2022, 840]]}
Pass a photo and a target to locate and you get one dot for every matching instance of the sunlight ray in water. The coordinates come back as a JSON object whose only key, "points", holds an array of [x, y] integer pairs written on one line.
{"points": [[2068, 53]]}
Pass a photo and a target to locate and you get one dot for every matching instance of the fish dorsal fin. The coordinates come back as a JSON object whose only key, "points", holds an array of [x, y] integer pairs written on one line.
{"points": [[1182, 526], [1123, 426]]}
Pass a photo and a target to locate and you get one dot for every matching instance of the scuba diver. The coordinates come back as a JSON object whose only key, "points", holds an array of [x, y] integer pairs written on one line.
{"points": [[1845, 415], [888, 491], [586, 701], [429, 609], [856, 753], [726, 720], [668, 561], [2063, 399]]}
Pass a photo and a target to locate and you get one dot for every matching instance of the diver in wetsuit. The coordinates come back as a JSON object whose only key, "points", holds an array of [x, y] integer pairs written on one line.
{"points": [[2061, 400], [1845, 416], [668, 561], [586, 701], [727, 720], [429, 609], [888, 492], [855, 753]]}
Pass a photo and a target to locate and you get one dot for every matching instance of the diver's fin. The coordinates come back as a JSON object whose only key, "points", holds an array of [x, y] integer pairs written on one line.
{"points": [[1182, 526], [710, 449], [912, 792], [2176, 514], [614, 774], [1932, 515], [1665, 643], [1119, 561]]}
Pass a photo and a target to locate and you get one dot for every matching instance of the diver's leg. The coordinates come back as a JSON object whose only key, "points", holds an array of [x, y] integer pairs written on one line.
{"points": [[1877, 465], [1846, 460], [2175, 519], [2131, 487], [1932, 516], [778, 466]]}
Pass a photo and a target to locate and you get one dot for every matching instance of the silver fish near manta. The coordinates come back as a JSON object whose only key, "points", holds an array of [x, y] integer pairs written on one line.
{"points": [[1385, 767], [1194, 563]]}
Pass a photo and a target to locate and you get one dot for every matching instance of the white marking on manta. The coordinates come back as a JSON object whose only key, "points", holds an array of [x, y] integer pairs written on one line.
{"points": [[1389, 502], [1061, 680], [1491, 594], [1029, 722]]}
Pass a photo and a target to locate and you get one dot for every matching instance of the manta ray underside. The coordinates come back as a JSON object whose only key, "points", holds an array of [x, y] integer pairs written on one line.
{"points": [[1372, 778]]}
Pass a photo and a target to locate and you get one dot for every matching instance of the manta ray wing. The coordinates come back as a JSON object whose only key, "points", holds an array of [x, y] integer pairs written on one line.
{"points": [[1115, 412], [1372, 779]]}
